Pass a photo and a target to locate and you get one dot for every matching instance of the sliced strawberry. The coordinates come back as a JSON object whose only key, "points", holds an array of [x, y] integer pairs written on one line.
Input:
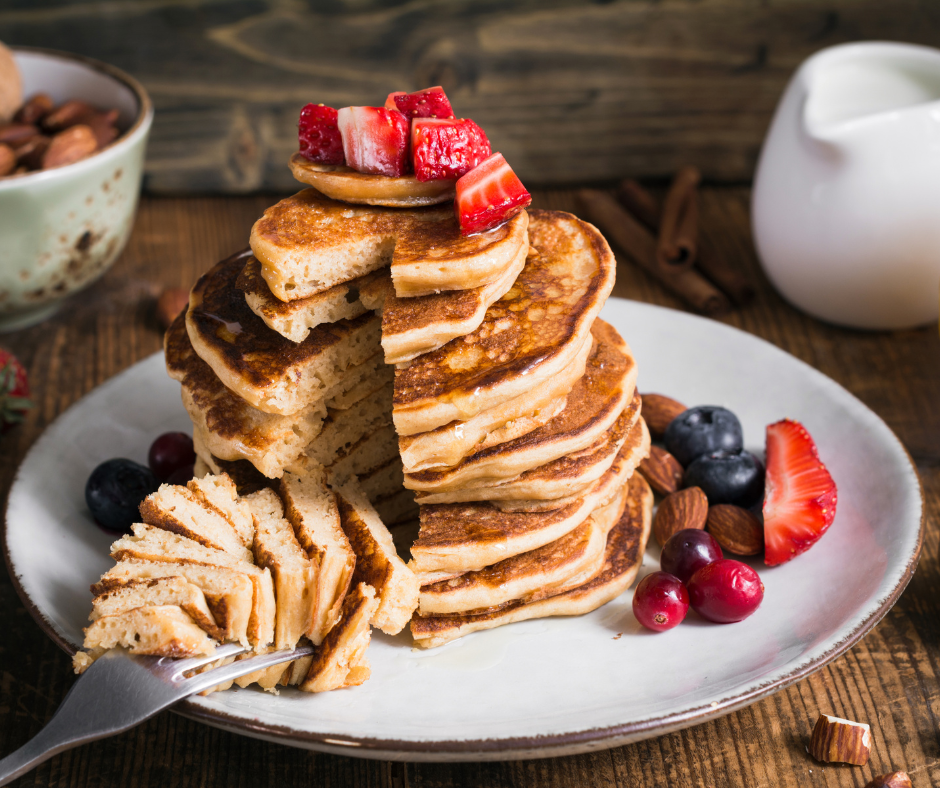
{"points": [[14, 391], [375, 139], [319, 135], [446, 149], [800, 498], [489, 195], [427, 103]]}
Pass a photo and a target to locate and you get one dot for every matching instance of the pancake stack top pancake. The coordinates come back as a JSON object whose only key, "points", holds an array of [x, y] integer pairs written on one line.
{"points": [[369, 354]]}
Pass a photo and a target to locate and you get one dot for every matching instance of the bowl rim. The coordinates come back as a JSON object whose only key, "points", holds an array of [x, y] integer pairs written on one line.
{"points": [[138, 128]]}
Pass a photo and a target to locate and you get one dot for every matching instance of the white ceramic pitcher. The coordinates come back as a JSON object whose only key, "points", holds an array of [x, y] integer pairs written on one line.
{"points": [[846, 202]]}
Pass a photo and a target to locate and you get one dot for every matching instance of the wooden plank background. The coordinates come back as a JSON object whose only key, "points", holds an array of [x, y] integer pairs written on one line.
{"points": [[891, 679], [570, 92]]}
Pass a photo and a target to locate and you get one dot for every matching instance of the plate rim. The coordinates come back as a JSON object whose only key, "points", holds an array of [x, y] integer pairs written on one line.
{"points": [[506, 748]]}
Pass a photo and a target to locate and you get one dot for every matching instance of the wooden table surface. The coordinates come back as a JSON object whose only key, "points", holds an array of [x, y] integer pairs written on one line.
{"points": [[890, 679]]}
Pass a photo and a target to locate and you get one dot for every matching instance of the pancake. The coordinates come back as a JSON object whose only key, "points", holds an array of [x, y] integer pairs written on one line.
{"points": [[566, 476], [580, 552], [448, 445], [246, 477], [375, 448], [622, 559], [531, 334], [266, 370], [339, 182], [412, 326], [396, 508], [309, 243], [383, 480], [294, 319], [593, 405], [232, 429], [470, 536]]}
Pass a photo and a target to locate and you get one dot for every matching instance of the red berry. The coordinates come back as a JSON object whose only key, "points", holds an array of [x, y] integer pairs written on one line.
{"points": [[375, 139], [427, 103], [660, 601], [170, 452], [446, 149], [319, 135], [687, 551], [14, 391], [489, 195], [800, 498], [725, 591]]}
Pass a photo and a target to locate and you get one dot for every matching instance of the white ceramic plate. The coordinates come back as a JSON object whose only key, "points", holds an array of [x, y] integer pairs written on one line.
{"points": [[548, 687]]}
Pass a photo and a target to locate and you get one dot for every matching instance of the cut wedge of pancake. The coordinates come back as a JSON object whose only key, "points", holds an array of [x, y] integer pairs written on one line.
{"points": [[245, 476], [232, 429], [416, 325], [623, 557], [580, 552], [376, 448], [562, 478], [448, 445], [344, 183], [465, 537], [294, 319], [310, 507], [266, 370], [377, 561], [220, 494], [309, 243], [162, 631], [595, 403], [528, 336]]}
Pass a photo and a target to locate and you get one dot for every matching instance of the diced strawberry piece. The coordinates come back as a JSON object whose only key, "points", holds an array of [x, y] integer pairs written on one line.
{"points": [[319, 135], [800, 498], [427, 103], [446, 149], [489, 195], [375, 139], [14, 391]]}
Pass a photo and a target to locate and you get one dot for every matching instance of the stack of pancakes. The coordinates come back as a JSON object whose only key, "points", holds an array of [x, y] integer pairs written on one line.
{"points": [[468, 374]]}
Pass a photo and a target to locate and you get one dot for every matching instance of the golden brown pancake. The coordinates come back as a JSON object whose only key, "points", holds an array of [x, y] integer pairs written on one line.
{"points": [[464, 537], [565, 477], [593, 405], [309, 243], [266, 370], [579, 553], [294, 319], [623, 557], [531, 334], [339, 182]]}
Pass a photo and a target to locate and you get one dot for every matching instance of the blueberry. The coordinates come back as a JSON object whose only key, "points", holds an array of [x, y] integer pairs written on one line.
{"points": [[114, 491], [702, 430], [727, 477]]}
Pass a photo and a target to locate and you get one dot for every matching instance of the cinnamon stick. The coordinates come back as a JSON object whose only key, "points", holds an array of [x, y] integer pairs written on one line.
{"points": [[678, 224], [640, 246], [646, 207]]}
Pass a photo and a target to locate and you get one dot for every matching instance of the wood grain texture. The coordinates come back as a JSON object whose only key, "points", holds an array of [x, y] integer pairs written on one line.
{"points": [[890, 680], [569, 92]]}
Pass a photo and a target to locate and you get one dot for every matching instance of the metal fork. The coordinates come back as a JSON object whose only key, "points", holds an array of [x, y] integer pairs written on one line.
{"points": [[121, 690]]}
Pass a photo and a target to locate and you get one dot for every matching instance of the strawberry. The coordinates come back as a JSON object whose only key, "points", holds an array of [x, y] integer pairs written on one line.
{"points": [[14, 391], [800, 499], [489, 195], [375, 139], [427, 103], [446, 149], [319, 135]]}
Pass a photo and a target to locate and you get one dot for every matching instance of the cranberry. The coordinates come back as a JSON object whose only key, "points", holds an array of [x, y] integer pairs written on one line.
{"points": [[181, 475], [169, 452], [687, 551], [725, 591], [660, 601]]}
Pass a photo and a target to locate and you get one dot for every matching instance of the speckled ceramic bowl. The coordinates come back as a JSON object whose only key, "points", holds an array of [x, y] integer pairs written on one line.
{"points": [[61, 229]]}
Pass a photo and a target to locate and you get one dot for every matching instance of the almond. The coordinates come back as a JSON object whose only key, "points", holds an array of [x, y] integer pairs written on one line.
{"points": [[836, 740], [34, 110], [737, 530], [66, 115], [7, 159], [686, 508], [662, 471], [68, 146], [658, 411], [15, 134], [891, 780]]}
